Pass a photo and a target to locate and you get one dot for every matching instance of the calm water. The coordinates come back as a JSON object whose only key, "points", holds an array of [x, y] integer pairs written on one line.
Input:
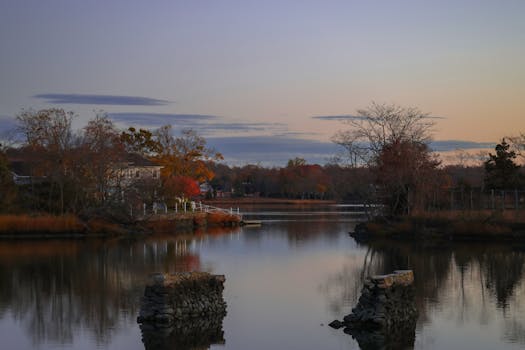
{"points": [[285, 281]]}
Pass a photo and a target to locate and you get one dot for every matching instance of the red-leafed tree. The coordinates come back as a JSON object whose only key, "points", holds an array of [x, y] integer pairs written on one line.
{"points": [[179, 186]]}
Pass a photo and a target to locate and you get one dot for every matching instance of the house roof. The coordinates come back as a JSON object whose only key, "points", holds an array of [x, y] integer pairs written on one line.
{"points": [[135, 159]]}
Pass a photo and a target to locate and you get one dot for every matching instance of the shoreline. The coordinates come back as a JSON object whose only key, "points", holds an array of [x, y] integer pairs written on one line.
{"points": [[71, 226], [482, 226]]}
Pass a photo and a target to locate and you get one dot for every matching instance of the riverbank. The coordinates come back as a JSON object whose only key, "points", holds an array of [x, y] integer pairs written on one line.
{"points": [[69, 225], [450, 225], [173, 223]]}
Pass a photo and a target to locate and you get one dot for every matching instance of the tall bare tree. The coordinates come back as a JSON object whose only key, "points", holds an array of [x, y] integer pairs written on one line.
{"points": [[379, 125], [103, 153], [49, 132], [393, 142]]}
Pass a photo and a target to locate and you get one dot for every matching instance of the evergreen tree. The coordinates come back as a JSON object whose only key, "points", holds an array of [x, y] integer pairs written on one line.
{"points": [[501, 172]]}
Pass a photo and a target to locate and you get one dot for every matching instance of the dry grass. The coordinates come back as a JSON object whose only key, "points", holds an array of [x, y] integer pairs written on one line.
{"points": [[99, 226], [222, 219], [199, 220], [10, 224]]}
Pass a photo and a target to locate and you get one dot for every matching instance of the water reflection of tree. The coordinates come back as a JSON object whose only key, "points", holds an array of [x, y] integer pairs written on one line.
{"points": [[504, 270], [475, 281], [299, 233], [56, 289]]}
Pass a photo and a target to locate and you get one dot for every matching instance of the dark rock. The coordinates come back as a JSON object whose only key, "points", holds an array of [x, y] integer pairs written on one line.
{"points": [[385, 316], [336, 324]]}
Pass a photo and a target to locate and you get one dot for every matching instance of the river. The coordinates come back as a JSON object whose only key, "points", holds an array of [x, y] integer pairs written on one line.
{"points": [[285, 281]]}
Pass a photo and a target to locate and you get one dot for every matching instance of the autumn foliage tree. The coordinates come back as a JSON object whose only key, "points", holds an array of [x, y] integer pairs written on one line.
{"points": [[301, 180], [187, 155], [179, 186]]}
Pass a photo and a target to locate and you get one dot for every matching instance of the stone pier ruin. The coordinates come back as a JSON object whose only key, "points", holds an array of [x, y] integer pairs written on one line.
{"points": [[182, 311], [385, 316]]}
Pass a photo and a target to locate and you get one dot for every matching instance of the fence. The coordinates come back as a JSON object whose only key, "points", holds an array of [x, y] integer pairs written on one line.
{"points": [[477, 199], [184, 207]]}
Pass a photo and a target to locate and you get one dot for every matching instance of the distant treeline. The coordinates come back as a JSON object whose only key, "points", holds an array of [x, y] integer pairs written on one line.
{"points": [[299, 180]]}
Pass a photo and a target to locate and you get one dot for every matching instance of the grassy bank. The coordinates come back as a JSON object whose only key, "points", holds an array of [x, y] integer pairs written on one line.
{"points": [[451, 225], [64, 225], [56, 225], [189, 221], [17, 224]]}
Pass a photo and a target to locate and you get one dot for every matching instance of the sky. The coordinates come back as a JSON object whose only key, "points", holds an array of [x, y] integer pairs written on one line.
{"points": [[254, 77]]}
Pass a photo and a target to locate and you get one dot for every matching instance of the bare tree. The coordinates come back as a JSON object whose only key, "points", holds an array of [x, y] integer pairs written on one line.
{"points": [[393, 142], [49, 132], [103, 152], [518, 145], [379, 125]]}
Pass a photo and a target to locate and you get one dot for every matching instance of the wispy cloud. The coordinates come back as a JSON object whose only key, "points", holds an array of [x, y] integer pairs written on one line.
{"points": [[101, 99], [451, 145], [208, 125], [356, 117], [159, 119], [272, 150], [9, 133], [296, 134], [7, 123], [337, 117], [239, 126]]}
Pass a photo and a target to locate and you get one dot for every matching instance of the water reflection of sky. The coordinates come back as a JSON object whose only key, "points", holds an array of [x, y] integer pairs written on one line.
{"points": [[283, 280]]}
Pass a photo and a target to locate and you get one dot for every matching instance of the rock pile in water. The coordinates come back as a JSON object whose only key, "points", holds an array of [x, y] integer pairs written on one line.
{"points": [[182, 309], [386, 311], [180, 296]]}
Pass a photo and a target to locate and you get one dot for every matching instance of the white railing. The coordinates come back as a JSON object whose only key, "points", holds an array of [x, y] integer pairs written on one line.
{"points": [[186, 207], [211, 209]]}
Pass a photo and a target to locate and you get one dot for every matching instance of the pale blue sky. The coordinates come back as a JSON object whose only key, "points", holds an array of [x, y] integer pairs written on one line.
{"points": [[265, 68]]}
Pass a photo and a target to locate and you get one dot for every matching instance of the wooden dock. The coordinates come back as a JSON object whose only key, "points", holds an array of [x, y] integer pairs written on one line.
{"points": [[251, 222]]}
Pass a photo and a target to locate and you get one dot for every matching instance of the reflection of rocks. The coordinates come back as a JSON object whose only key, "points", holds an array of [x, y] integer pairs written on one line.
{"points": [[197, 333], [182, 311], [385, 316]]}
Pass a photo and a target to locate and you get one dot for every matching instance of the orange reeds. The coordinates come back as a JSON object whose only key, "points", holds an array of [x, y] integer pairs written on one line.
{"points": [[10, 224], [222, 219]]}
